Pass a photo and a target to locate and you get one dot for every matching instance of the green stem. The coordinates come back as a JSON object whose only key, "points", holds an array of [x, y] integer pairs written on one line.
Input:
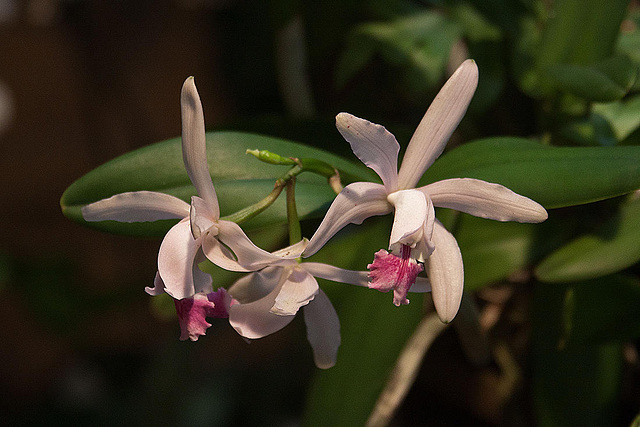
{"points": [[253, 210], [295, 233]]}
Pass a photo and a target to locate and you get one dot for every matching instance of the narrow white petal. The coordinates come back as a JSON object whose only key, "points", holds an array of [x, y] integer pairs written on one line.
{"points": [[298, 290], [248, 255], [158, 286], [136, 206], [355, 203], [323, 330], [409, 218], [253, 286], [293, 251], [438, 123], [175, 260], [446, 273], [254, 320], [374, 145], [202, 218], [218, 254], [194, 144], [484, 199], [329, 272], [353, 277]]}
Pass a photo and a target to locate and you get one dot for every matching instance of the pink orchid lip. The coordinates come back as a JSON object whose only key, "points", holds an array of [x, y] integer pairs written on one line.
{"points": [[388, 271]]}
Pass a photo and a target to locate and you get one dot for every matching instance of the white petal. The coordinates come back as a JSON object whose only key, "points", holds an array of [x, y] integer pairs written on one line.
{"points": [[158, 286], [375, 146], [446, 273], [293, 251], [136, 206], [329, 272], [353, 277], [323, 330], [484, 199], [253, 286], [175, 260], [411, 213], [218, 254], [298, 290], [202, 282], [254, 320], [355, 203], [194, 147], [201, 216], [248, 255], [438, 123]]}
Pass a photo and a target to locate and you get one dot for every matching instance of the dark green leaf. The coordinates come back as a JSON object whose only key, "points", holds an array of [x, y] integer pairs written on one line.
{"points": [[605, 81], [373, 333], [612, 248], [240, 180], [552, 176], [623, 116]]}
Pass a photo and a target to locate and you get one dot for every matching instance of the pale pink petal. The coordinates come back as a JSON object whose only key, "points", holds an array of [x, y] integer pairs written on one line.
{"points": [[352, 277], [323, 330], [355, 203], [446, 273], [194, 147], [218, 254], [410, 216], [375, 146], [437, 125], [202, 282], [175, 260], [484, 199], [330, 272], [255, 320], [247, 254], [253, 286], [136, 206], [202, 218], [298, 289], [158, 286], [293, 251]]}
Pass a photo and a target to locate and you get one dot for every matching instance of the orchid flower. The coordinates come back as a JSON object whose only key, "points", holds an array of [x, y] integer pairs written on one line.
{"points": [[417, 236], [199, 232], [269, 299]]}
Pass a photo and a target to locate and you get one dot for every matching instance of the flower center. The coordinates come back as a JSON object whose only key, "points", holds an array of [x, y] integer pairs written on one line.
{"points": [[389, 271]]}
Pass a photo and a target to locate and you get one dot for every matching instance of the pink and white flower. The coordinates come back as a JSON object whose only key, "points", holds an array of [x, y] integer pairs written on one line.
{"points": [[199, 232], [270, 298], [416, 235]]}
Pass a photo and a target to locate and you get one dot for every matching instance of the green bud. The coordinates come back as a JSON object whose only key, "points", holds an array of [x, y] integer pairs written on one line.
{"points": [[272, 158]]}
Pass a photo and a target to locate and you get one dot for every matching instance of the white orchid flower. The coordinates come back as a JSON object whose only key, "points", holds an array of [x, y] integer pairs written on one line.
{"points": [[416, 235], [200, 230], [269, 299]]}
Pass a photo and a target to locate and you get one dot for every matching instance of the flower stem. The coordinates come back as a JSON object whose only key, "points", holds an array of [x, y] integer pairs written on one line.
{"points": [[295, 233]]}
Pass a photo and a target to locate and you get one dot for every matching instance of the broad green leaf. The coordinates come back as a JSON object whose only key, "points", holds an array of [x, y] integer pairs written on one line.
{"points": [[623, 116], [571, 385], [240, 180], [605, 81], [592, 131], [552, 176], [373, 332], [613, 247], [492, 250], [602, 310]]}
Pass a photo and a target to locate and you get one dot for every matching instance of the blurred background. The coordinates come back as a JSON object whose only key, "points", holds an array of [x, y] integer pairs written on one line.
{"points": [[84, 81]]}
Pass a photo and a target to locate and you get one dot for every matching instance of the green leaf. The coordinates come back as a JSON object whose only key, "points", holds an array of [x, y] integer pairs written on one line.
{"points": [[240, 180], [591, 131], [552, 176], [623, 116], [602, 310], [373, 332], [484, 242], [604, 81], [572, 385], [613, 247]]}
